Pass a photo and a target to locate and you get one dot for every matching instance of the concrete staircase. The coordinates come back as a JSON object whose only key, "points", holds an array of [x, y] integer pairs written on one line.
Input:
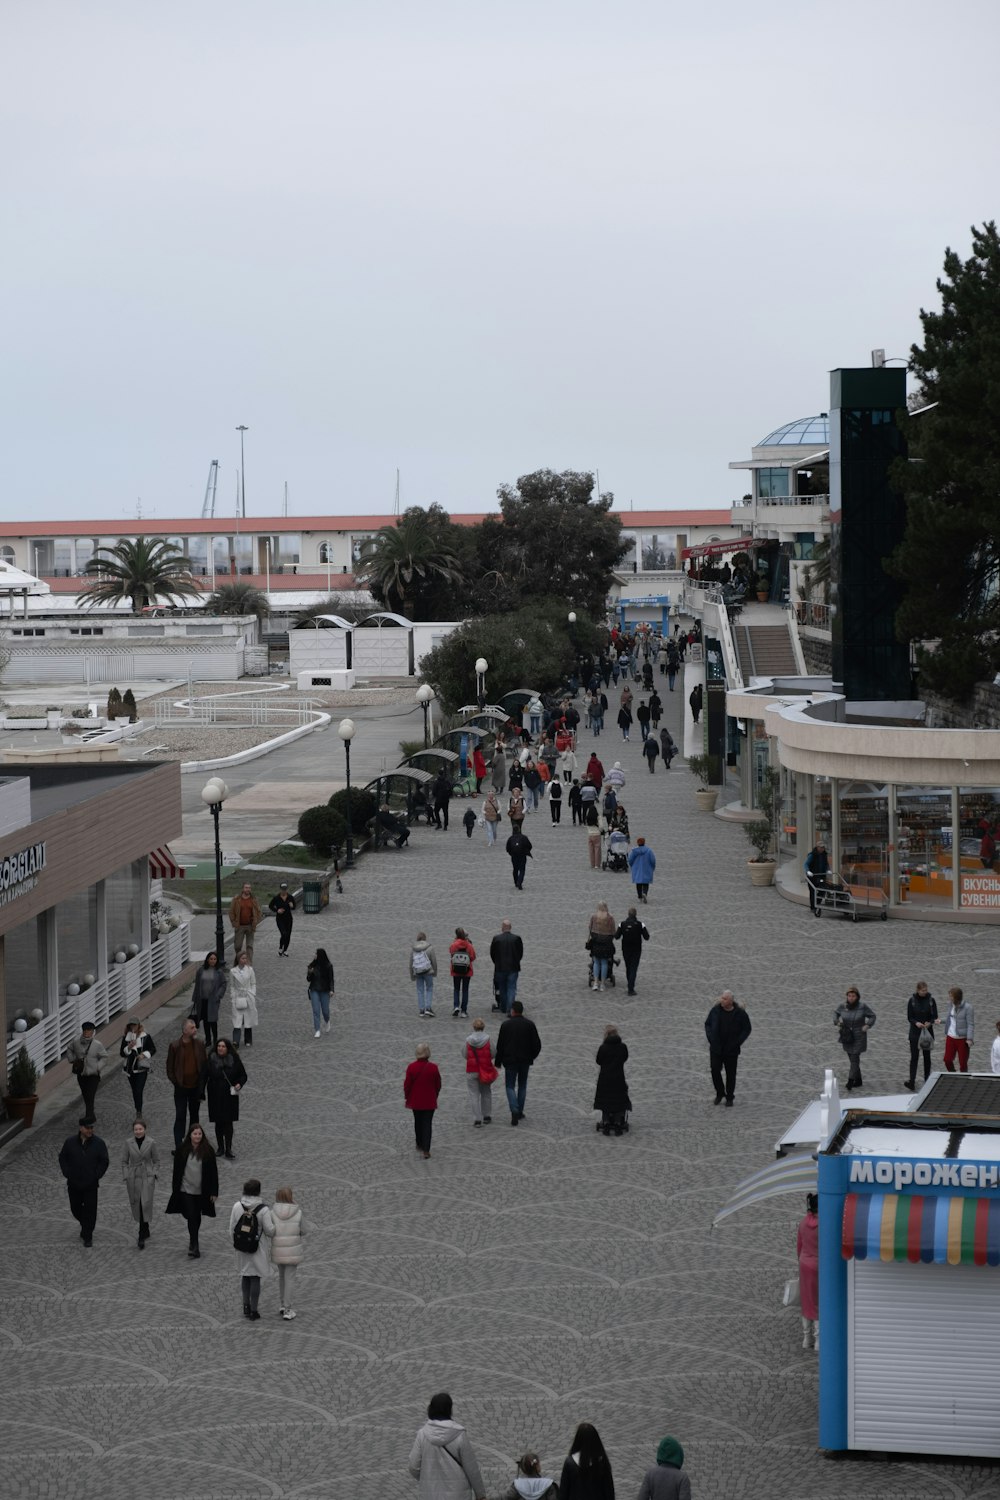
{"points": [[764, 650]]}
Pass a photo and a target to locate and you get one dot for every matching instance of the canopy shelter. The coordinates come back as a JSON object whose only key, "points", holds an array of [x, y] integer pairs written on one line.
{"points": [[383, 645], [789, 1174], [399, 787], [733, 544], [14, 581], [516, 700], [434, 752]]}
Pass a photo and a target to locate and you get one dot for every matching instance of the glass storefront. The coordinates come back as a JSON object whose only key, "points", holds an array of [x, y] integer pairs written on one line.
{"points": [[76, 929], [123, 893]]}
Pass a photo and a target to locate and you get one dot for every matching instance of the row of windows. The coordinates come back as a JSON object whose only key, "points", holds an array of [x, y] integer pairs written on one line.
{"points": [[67, 557]]}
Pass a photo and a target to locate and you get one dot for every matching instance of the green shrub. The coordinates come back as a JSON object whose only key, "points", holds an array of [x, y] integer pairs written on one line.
{"points": [[707, 768], [323, 829], [129, 708], [22, 1080], [362, 806], [759, 835]]}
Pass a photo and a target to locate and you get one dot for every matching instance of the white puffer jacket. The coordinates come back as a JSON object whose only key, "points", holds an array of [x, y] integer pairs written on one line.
{"points": [[286, 1247]]}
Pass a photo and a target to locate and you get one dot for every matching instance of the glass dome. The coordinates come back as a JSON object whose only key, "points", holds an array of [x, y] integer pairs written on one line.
{"points": [[812, 432]]}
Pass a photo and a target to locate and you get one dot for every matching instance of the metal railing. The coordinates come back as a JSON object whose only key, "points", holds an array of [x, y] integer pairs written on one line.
{"points": [[811, 616], [242, 711]]}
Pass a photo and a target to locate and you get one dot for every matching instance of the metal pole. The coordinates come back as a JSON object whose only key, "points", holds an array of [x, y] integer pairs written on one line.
{"points": [[349, 862], [220, 934], [243, 485], [427, 737]]}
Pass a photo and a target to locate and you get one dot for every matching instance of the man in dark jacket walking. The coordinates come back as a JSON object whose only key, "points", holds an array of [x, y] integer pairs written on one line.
{"points": [[817, 868], [83, 1161], [631, 934], [442, 796], [518, 1044], [186, 1064], [727, 1027], [519, 848], [506, 953]]}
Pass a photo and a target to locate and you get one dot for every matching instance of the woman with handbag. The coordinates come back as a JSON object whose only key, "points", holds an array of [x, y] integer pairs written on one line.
{"points": [[921, 1012], [319, 978], [137, 1051], [206, 997], [854, 1021], [243, 1000], [491, 817], [480, 1073], [807, 1249], [222, 1081]]}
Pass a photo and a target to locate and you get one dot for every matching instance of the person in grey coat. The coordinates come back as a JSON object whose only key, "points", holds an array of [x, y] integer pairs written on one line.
{"points": [[665, 1481], [854, 1021], [210, 985], [442, 1460], [140, 1168]]}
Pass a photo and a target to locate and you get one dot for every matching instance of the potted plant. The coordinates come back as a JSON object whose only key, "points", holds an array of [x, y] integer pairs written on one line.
{"points": [[763, 864], [707, 769], [20, 1099], [762, 588]]}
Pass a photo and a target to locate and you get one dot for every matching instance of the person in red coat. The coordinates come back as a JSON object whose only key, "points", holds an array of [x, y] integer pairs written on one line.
{"points": [[421, 1087], [478, 766], [808, 1253]]}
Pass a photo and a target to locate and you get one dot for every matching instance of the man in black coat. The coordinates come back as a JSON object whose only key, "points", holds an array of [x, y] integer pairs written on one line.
{"points": [[519, 848], [442, 797], [506, 953], [727, 1027], [283, 905], [518, 1044], [817, 868], [631, 934], [83, 1161]]}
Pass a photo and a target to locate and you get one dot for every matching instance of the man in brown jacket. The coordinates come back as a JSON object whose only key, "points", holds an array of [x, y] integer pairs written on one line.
{"points": [[186, 1062], [244, 916]]}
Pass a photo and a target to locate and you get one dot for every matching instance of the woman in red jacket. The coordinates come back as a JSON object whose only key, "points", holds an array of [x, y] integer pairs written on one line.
{"points": [[421, 1087], [463, 956]]}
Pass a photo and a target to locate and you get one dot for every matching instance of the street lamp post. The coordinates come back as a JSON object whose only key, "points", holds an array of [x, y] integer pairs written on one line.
{"points": [[214, 793], [243, 485], [571, 620], [482, 666], [347, 729], [424, 695]]}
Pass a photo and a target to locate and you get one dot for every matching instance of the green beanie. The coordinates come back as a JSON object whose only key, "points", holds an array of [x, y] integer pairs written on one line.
{"points": [[670, 1452]]}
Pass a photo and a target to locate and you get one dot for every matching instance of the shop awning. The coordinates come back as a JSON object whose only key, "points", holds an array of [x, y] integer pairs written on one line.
{"points": [[734, 544], [941, 1231], [163, 866], [789, 1174]]}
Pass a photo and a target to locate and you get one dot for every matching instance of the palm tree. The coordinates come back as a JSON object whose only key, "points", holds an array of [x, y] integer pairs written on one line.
{"points": [[238, 599], [141, 571], [398, 560]]}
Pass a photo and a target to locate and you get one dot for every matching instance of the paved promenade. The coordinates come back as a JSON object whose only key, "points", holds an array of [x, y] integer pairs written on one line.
{"points": [[543, 1275]]}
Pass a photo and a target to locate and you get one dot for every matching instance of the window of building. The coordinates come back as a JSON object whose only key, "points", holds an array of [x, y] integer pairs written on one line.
{"points": [[326, 552], [7, 556], [979, 847], [25, 960], [924, 844], [123, 892], [289, 546], [85, 548], [772, 484], [76, 937], [198, 555]]}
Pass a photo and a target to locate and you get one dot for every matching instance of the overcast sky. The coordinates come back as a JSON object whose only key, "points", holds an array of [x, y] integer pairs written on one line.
{"points": [[466, 241]]}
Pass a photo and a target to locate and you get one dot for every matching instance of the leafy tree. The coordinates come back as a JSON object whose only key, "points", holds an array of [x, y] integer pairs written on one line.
{"points": [[406, 565], [115, 703], [142, 571], [237, 599], [130, 708], [529, 647], [362, 806], [323, 829], [950, 554]]}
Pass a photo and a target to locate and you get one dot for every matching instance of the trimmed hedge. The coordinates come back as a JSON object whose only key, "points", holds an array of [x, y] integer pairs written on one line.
{"points": [[323, 829]]}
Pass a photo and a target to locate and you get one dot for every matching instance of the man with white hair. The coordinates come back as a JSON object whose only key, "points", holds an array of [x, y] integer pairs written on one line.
{"points": [[727, 1027]]}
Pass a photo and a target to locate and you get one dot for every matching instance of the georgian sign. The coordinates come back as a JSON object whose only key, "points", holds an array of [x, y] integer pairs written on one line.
{"points": [[19, 872]]}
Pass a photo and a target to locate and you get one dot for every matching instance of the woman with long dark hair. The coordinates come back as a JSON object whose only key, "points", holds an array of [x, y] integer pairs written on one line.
{"points": [[586, 1474], [319, 977], [195, 1185], [223, 1079], [206, 997]]}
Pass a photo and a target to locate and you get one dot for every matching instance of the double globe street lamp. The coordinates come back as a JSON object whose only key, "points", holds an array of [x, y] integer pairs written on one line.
{"points": [[214, 793], [347, 730]]}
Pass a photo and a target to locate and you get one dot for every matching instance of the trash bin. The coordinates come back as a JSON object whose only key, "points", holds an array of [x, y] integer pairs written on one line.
{"points": [[312, 896]]}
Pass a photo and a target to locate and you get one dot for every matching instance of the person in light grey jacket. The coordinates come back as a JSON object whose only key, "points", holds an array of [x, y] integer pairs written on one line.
{"points": [[960, 1031], [140, 1168], [423, 967], [85, 1055], [442, 1460]]}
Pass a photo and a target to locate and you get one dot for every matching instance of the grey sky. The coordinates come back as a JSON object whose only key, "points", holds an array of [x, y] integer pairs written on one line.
{"points": [[466, 240]]}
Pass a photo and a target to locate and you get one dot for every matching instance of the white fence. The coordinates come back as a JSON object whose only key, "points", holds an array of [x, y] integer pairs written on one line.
{"points": [[236, 709]]}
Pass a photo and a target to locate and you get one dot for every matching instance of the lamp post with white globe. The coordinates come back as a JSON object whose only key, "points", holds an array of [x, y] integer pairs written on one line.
{"points": [[424, 695], [482, 667], [347, 730], [214, 793]]}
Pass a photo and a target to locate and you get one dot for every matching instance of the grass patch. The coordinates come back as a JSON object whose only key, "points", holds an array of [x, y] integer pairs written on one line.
{"points": [[201, 893]]}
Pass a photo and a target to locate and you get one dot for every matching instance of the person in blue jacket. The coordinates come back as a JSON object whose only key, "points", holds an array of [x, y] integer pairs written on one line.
{"points": [[642, 863]]}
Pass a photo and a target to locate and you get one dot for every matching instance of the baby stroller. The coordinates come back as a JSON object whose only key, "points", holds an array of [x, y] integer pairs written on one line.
{"points": [[609, 1121], [618, 848]]}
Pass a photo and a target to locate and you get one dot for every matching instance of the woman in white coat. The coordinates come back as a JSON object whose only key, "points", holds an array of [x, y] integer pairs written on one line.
{"points": [[286, 1247], [140, 1166], [243, 1000], [253, 1268]]}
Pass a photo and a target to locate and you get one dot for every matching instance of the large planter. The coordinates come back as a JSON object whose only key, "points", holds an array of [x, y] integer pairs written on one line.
{"points": [[706, 798], [762, 596], [761, 871], [20, 1108]]}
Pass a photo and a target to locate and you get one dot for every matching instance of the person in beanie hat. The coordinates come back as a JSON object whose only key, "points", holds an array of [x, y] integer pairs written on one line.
{"points": [[665, 1481]]}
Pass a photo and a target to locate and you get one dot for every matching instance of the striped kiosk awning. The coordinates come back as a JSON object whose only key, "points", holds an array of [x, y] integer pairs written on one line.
{"points": [[163, 866], [940, 1231]]}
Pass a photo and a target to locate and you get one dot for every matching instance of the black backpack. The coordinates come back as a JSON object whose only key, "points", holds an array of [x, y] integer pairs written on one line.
{"points": [[247, 1230]]}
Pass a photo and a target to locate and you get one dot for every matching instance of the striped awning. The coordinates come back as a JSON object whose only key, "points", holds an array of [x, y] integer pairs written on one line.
{"points": [[941, 1231], [163, 866]]}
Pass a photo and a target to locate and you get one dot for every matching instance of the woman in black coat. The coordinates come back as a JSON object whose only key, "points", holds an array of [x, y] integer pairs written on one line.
{"points": [[612, 1097], [222, 1080], [195, 1185], [586, 1474]]}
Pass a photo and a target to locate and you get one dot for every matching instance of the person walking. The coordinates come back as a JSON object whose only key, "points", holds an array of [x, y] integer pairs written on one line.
{"points": [[286, 1247], [244, 918], [480, 1073], [283, 906], [807, 1250], [491, 817], [612, 1097], [498, 770], [478, 767], [673, 662], [442, 1460], [140, 1169], [423, 967], [516, 809], [616, 777], [921, 1013], [995, 1052], [575, 801], [601, 945], [210, 984], [668, 748], [319, 978], [421, 1087], [186, 1058], [83, 1161], [518, 847], [251, 1227], [243, 1001], [854, 1021], [595, 770], [586, 1474], [655, 710], [727, 1027], [595, 833], [643, 717], [631, 934], [567, 764], [462, 956], [959, 1033], [624, 722], [642, 866], [625, 701], [532, 785], [817, 868], [651, 749], [518, 1045], [530, 1483], [137, 1051], [506, 955], [224, 1079], [555, 800], [442, 798], [665, 1481], [195, 1185], [695, 698], [85, 1055]]}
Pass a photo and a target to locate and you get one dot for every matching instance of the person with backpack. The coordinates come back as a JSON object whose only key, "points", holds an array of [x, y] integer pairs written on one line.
{"points": [[423, 967], [480, 1074], [463, 956], [555, 800], [251, 1226]]}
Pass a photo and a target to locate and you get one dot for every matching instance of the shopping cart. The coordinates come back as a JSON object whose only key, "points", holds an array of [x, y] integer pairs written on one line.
{"points": [[853, 898]]}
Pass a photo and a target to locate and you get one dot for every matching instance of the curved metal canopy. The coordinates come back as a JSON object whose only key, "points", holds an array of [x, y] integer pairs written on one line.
{"points": [[789, 1174]]}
